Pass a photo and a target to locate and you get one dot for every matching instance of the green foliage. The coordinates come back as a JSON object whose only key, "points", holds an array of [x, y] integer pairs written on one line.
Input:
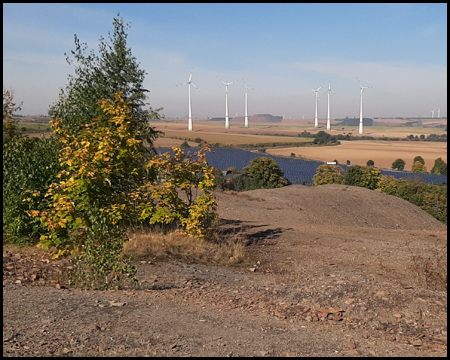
{"points": [[363, 176], [106, 184], [266, 173], [105, 168], [185, 144], [29, 165], [100, 77], [440, 167], [419, 158], [398, 164], [102, 252], [328, 174], [419, 167], [431, 198], [370, 163]]}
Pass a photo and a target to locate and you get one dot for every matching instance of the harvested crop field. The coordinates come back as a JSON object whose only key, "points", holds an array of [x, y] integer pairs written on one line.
{"points": [[383, 153]]}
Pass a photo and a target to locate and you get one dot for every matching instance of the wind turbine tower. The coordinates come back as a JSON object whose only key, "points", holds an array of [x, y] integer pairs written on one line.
{"points": [[360, 108], [227, 121], [439, 113], [316, 119], [246, 103], [189, 83], [432, 114], [328, 117]]}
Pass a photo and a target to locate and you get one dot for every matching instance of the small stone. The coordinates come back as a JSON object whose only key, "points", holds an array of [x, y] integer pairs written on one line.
{"points": [[350, 352], [380, 293], [350, 301], [416, 342], [252, 269], [350, 344], [398, 315]]}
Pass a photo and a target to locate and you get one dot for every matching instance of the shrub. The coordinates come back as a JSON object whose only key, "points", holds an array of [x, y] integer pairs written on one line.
{"points": [[429, 197], [328, 174], [370, 163], [185, 144], [266, 173], [29, 165], [419, 158], [440, 167], [398, 164], [418, 167], [106, 181], [363, 176]]}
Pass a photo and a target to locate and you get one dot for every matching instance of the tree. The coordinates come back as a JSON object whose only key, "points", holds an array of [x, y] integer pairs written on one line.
{"points": [[419, 158], [104, 187], [363, 176], [266, 172], [419, 167], [101, 77], [29, 165], [440, 167], [328, 174], [370, 163], [398, 164]]}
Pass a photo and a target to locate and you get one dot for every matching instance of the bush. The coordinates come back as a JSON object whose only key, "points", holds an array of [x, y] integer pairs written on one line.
{"points": [[328, 174], [398, 164], [419, 158], [29, 165], [418, 167], [363, 176], [429, 197], [440, 167], [370, 163], [266, 173]]}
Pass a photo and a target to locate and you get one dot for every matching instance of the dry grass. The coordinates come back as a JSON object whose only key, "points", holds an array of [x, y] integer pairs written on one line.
{"points": [[430, 268], [217, 247]]}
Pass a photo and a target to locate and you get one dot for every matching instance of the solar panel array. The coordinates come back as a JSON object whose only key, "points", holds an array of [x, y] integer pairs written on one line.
{"points": [[297, 171]]}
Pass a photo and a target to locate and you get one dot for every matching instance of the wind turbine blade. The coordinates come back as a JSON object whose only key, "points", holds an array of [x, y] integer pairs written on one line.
{"points": [[195, 86]]}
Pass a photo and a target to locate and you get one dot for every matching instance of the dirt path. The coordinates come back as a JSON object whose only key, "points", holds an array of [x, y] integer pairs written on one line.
{"points": [[333, 276]]}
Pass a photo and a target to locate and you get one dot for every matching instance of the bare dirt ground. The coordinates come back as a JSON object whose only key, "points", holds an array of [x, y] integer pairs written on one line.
{"points": [[334, 274]]}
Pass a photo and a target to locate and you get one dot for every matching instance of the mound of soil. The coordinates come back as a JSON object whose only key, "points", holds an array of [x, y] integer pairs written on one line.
{"points": [[338, 271]]}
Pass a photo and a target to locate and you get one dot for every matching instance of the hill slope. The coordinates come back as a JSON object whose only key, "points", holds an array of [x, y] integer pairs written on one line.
{"points": [[337, 271]]}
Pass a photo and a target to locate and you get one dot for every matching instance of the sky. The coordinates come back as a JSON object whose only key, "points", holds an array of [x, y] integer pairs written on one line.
{"points": [[281, 51]]}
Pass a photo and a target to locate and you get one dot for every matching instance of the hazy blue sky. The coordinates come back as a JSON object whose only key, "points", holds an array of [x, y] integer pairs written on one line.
{"points": [[281, 50]]}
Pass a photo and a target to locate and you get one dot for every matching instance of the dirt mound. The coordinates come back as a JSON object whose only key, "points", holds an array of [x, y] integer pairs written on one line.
{"points": [[338, 271], [333, 205]]}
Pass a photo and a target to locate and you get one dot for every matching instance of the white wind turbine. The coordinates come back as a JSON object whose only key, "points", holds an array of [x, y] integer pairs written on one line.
{"points": [[189, 82], [439, 113], [316, 119], [328, 118], [432, 114], [246, 107], [360, 107], [227, 121]]}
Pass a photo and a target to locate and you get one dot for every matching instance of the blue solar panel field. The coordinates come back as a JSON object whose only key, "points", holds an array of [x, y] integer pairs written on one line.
{"points": [[297, 171]]}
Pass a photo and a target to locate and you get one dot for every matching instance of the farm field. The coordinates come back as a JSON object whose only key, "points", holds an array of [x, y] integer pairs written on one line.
{"points": [[383, 153], [291, 127]]}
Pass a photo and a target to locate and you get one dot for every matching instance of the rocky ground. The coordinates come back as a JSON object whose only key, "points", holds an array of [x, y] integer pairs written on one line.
{"points": [[338, 271]]}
